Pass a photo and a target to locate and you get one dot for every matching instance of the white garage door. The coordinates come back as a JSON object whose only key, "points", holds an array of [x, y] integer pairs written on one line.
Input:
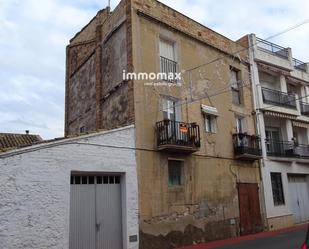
{"points": [[95, 212], [299, 196]]}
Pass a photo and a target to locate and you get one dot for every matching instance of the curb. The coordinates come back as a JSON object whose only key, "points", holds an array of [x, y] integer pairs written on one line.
{"points": [[240, 239]]}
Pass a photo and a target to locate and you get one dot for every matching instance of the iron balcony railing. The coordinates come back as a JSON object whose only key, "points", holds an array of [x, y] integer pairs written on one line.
{"points": [[178, 133], [272, 48], [304, 108], [286, 149], [301, 150], [280, 148], [247, 144], [279, 98], [168, 68], [299, 65]]}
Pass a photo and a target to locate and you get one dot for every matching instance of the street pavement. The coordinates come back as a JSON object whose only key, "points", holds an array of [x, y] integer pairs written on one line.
{"points": [[288, 240]]}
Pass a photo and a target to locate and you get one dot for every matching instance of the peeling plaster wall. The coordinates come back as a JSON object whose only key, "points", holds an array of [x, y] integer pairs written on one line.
{"points": [[206, 207], [35, 188]]}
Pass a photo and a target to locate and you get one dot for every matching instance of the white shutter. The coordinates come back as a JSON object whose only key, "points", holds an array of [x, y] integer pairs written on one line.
{"points": [[165, 108], [167, 50], [178, 111], [214, 124], [244, 125], [238, 125], [241, 125], [233, 79]]}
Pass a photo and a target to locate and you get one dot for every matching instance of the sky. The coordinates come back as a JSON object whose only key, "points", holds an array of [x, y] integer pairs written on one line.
{"points": [[34, 34]]}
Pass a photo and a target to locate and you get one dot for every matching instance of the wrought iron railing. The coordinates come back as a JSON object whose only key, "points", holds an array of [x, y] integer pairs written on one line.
{"points": [[280, 148], [168, 68], [301, 150], [287, 149], [279, 98], [247, 144], [178, 133], [304, 108], [299, 65], [272, 48]]}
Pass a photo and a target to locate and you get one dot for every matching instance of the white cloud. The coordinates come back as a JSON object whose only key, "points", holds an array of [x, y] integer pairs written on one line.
{"points": [[34, 33]]}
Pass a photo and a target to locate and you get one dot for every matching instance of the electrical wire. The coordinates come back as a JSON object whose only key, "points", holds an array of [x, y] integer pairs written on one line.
{"points": [[233, 54], [254, 44]]}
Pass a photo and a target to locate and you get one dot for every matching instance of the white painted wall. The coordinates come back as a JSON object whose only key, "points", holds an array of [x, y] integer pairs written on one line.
{"points": [[284, 168], [35, 187], [268, 165]]}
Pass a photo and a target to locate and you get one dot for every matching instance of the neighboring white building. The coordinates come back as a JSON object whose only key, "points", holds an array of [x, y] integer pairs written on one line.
{"points": [[281, 99], [78, 191]]}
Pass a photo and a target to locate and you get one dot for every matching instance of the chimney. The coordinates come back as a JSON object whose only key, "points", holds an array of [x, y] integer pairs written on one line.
{"points": [[27, 132]]}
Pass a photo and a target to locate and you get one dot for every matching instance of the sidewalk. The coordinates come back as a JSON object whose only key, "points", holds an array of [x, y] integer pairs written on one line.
{"points": [[237, 240]]}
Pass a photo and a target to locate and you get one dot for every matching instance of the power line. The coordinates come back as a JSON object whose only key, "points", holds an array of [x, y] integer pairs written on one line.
{"points": [[235, 54], [244, 49], [43, 146]]}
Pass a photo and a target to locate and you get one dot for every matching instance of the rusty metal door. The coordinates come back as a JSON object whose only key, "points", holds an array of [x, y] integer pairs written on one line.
{"points": [[249, 208]]}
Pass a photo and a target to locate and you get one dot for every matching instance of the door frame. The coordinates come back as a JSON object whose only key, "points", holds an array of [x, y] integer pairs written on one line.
{"points": [[123, 196], [259, 206]]}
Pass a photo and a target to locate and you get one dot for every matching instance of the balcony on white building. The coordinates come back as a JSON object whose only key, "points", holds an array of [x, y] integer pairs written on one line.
{"points": [[286, 139], [282, 94]]}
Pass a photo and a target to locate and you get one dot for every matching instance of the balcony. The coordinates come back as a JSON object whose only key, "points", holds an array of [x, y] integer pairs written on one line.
{"points": [[286, 149], [169, 68], [272, 48], [277, 98], [301, 151], [299, 65], [279, 148], [173, 136], [304, 108], [247, 147]]}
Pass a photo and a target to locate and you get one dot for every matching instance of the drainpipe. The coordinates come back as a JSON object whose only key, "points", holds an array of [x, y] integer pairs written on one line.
{"points": [[256, 106]]}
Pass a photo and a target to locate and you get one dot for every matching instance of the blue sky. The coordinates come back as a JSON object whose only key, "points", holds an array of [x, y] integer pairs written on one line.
{"points": [[34, 33]]}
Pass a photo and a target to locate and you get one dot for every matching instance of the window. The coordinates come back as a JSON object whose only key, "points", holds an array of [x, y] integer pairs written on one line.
{"points": [[240, 125], [273, 144], [236, 86], [82, 129], [175, 173], [168, 64], [210, 123], [278, 195], [167, 49], [171, 110]]}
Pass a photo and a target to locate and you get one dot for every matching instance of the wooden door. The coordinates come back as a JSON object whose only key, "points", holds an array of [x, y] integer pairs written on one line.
{"points": [[249, 208]]}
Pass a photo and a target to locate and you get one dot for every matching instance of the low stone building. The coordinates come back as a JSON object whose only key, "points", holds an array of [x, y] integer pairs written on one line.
{"points": [[83, 188]]}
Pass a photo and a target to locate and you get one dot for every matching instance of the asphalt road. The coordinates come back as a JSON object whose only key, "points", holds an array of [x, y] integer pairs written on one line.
{"points": [[289, 240]]}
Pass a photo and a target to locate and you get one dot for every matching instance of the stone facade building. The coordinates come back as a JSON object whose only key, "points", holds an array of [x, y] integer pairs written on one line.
{"points": [[196, 149]]}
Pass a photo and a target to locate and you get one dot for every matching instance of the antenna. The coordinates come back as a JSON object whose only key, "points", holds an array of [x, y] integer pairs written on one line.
{"points": [[109, 3]]}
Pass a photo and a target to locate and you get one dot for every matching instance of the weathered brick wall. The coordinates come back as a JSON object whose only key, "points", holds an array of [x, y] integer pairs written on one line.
{"points": [[82, 98], [178, 21], [35, 188], [105, 41], [89, 31], [244, 41], [114, 59]]}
